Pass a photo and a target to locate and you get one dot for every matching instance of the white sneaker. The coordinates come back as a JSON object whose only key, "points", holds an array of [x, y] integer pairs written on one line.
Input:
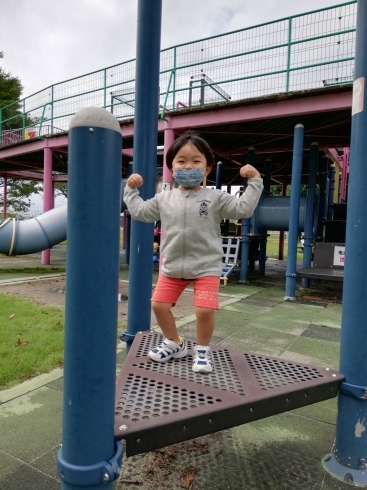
{"points": [[203, 362], [168, 350]]}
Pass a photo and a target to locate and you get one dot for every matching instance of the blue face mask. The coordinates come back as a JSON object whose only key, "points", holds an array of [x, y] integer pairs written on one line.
{"points": [[189, 177]]}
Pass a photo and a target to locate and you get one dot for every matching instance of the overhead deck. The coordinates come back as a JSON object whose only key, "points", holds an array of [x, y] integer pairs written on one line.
{"points": [[265, 123]]}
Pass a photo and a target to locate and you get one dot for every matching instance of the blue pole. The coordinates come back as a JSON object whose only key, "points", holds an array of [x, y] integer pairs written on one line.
{"points": [[145, 162], [89, 457], [266, 192], [322, 202], [308, 232], [330, 209], [349, 460], [290, 283], [246, 228], [218, 180]]}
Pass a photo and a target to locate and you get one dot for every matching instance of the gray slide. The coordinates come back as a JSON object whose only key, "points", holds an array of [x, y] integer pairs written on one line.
{"points": [[21, 237]]}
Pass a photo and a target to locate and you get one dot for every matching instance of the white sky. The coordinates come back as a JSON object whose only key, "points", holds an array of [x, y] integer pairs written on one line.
{"points": [[46, 42]]}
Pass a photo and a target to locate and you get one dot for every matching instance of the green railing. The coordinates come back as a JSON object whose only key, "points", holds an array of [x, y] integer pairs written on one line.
{"points": [[301, 52]]}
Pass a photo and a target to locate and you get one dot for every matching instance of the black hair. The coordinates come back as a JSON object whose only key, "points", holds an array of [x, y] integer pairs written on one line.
{"points": [[195, 140]]}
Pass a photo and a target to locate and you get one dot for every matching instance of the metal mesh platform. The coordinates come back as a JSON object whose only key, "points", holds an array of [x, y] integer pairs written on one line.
{"points": [[159, 404], [325, 273]]}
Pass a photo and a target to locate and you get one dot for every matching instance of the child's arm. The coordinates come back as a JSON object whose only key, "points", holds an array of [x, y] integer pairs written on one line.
{"points": [[139, 209], [233, 207]]}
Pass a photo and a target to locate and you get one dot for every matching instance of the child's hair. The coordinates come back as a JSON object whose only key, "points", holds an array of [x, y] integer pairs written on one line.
{"points": [[195, 140]]}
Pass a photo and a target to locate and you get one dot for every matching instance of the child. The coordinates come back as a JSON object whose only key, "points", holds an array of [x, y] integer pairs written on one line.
{"points": [[191, 249]]}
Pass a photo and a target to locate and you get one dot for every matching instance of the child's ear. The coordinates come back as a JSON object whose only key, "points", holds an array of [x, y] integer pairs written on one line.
{"points": [[208, 169]]}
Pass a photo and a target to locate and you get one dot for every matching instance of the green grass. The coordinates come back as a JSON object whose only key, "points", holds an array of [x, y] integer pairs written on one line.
{"points": [[272, 247], [32, 270], [31, 339]]}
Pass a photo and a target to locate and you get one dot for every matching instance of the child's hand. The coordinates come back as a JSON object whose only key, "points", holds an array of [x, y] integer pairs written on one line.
{"points": [[250, 172], [135, 180]]}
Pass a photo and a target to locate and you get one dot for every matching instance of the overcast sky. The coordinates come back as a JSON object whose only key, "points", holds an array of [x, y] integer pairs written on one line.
{"points": [[45, 41]]}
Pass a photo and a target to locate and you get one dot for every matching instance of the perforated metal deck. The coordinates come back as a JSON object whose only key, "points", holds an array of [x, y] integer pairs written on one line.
{"points": [[159, 404]]}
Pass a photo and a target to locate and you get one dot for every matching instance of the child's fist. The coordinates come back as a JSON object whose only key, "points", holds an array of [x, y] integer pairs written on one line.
{"points": [[135, 180], [250, 172]]}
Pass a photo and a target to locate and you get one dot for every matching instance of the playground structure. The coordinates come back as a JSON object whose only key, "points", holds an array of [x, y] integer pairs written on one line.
{"points": [[76, 466]]}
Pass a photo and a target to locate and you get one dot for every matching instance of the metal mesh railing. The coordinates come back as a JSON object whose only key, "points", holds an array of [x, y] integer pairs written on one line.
{"points": [[302, 52]]}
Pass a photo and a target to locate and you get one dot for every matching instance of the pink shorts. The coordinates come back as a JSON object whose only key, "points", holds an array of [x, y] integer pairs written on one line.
{"points": [[169, 289]]}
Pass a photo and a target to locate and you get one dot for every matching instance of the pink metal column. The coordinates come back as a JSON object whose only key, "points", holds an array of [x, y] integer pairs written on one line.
{"points": [[281, 233], [47, 194], [5, 195], [345, 171]]}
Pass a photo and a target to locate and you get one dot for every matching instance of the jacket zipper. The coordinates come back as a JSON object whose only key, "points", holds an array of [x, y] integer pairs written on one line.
{"points": [[184, 237]]}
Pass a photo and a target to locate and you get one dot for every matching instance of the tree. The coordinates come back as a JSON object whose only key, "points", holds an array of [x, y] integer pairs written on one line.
{"points": [[276, 190], [61, 189], [19, 194], [18, 191], [11, 110]]}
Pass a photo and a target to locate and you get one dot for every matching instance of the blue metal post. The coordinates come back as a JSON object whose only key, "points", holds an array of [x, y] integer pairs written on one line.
{"points": [[218, 180], [89, 457], [290, 284], [128, 222], [266, 192], [246, 228], [308, 232], [145, 162], [322, 203], [349, 460], [330, 208]]}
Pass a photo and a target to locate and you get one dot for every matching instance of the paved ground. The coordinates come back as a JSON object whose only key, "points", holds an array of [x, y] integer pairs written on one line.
{"points": [[279, 453]]}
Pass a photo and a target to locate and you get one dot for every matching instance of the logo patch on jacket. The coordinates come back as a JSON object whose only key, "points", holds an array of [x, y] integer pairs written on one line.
{"points": [[203, 209]]}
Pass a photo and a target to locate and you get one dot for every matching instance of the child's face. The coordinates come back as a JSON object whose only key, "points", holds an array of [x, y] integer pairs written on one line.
{"points": [[190, 157]]}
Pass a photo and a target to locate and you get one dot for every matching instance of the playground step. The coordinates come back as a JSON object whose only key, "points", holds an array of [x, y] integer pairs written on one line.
{"points": [[324, 273], [159, 404]]}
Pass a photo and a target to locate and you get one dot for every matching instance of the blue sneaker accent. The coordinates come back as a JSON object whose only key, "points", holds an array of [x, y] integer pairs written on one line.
{"points": [[168, 350], [203, 362]]}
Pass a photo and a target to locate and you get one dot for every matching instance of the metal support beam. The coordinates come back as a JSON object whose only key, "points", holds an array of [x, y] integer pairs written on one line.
{"points": [[349, 460], [145, 161], [246, 228], [89, 457], [308, 232], [290, 286]]}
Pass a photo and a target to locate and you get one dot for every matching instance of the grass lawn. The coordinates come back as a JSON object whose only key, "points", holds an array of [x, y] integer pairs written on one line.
{"points": [[272, 247], [31, 339]]}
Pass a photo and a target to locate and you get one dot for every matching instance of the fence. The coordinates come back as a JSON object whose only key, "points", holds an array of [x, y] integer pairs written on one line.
{"points": [[305, 51]]}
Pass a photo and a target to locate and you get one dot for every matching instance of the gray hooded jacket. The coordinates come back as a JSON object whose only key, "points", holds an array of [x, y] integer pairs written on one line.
{"points": [[191, 246]]}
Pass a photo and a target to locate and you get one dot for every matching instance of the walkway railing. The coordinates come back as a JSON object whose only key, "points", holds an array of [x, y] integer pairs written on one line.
{"points": [[305, 51]]}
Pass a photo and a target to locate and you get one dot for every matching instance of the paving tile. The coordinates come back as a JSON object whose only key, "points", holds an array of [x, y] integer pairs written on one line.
{"points": [[327, 352], [29, 479], [285, 442], [249, 311], [36, 413], [259, 340], [274, 293], [8, 464], [329, 316], [232, 472], [325, 411], [47, 463]]}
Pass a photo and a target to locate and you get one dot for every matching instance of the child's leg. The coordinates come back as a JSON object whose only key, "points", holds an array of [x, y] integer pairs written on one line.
{"points": [[206, 302], [166, 320], [204, 324]]}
